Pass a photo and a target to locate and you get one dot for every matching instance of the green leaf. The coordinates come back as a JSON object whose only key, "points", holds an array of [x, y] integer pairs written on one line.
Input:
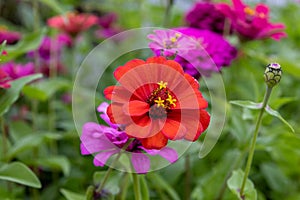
{"points": [[24, 144], [9, 96], [56, 163], [144, 188], [45, 89], [72, 195], [19, 173], [247, 104], [234, 183], [276, 114], [159, 182], [29, 142], [28, 42], [54, 5]]}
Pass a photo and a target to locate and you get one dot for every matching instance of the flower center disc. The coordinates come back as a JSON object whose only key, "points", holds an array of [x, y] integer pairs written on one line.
{"points": [[157, 112]]}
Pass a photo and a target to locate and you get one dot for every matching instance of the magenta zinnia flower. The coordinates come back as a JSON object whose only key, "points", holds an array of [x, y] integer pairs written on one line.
{"points": [[105, 141], [251, 23], [15, 71], [219, 53], [11, 37], [205, 16]]}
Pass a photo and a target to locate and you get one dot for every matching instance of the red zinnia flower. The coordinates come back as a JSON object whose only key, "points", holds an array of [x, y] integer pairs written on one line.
{"points": [[156, 101], [73, 23]]}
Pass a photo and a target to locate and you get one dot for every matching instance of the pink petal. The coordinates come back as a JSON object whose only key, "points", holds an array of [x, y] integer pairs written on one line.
{"points": [[93, 138], [101, 158], [140, 162]]}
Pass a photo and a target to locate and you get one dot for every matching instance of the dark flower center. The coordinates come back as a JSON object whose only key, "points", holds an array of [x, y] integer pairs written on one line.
{"points": [[161, 101]]}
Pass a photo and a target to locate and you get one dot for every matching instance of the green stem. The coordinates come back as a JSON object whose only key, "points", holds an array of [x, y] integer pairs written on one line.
{"points": [[136, 186], [167, 12], [108, 172], [187, 188], [4, 136], [252, 147]]}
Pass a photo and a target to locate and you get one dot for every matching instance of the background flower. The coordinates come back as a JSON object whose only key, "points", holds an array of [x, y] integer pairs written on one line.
{"points": [[15, 71], [73, 23], [169, 43], [11, 37], [213, 52], [205, 16], [4, 79], [252, 23]]}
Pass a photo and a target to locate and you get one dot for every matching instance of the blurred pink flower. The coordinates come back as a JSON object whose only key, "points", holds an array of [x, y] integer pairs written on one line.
{"points": [[52, 46], [11, 37], [15, 71], [170, 43], [105, 141], [4, 79], [107, 26], [251, 23], [73, 23]]}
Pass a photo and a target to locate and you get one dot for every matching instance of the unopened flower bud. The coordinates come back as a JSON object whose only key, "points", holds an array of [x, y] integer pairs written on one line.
{"points": [[272, 74]]}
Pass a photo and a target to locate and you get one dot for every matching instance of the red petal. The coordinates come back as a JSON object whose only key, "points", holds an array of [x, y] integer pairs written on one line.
{"points": [[204, 119], [108, 92], [174, 130], [193, 82], [191, 119], [120, 71], [143, 127], [157, 141], [175, 65], [157, 59], [135, 108], [115, 114]]}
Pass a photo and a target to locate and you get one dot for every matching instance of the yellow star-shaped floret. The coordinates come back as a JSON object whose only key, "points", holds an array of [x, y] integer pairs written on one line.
{"points": [[249, 11], [171, 100], [159, 102], [162, 84]]}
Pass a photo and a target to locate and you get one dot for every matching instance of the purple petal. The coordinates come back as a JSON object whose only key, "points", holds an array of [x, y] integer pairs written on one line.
{"points": [[101, 158], [140, 162], [93, 138], [168, 154]]}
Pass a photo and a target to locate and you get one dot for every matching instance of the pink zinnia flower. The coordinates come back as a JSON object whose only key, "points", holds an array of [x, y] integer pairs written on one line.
{"points": [[170, 43], [73, 23], [15, 71], [105, 141], [11, 37], [252, 23]]}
